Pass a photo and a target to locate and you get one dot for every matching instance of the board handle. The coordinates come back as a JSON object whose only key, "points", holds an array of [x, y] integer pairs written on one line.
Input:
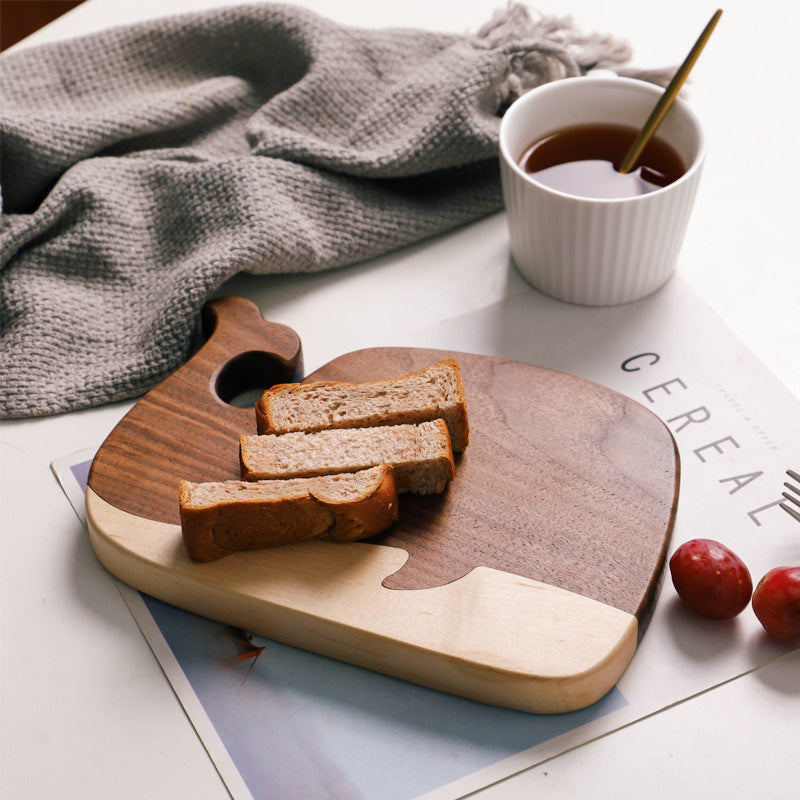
{"points": [[243, 353], [188, 426]]}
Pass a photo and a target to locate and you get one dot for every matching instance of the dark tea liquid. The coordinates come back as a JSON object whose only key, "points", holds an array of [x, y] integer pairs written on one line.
{"points": [[583, 160]]}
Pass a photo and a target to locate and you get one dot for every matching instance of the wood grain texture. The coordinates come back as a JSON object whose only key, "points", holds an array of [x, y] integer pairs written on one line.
{"points": [[525, 584], [564, 481]]}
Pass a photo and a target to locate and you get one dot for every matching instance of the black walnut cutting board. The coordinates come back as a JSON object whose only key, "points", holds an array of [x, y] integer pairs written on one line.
{"points": [[525, 585]]}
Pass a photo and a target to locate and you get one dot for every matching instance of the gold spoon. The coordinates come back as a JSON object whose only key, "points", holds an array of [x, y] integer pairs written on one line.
{"points": [[666, 99]]}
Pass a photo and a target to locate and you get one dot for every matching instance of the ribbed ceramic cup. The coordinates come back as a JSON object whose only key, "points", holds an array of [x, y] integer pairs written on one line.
{"points": [[596, 251]]}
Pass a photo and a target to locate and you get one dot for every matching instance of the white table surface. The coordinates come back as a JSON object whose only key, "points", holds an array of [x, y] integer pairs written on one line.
{"points": [[85, 709]]}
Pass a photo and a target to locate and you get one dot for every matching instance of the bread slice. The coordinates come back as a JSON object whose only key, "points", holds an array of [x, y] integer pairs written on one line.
{"points": [[435, 392], [420, 455], [220, 518]]}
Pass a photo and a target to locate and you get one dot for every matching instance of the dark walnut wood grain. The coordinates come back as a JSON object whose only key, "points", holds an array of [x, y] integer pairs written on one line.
{"points": [[564, 481]]}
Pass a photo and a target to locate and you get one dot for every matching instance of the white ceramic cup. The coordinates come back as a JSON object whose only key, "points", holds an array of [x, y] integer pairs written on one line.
{"points": [[596, 251]]}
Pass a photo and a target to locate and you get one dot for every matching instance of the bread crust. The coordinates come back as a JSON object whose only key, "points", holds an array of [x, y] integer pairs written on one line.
{"points": [[314, 510], [455, 414]]}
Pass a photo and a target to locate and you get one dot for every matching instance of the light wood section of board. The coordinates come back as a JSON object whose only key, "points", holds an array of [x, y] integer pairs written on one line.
{"points": [[489, 636]]}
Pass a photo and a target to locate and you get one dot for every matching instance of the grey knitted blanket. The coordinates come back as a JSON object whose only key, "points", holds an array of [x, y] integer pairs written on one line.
{"points": [[145, 165]]}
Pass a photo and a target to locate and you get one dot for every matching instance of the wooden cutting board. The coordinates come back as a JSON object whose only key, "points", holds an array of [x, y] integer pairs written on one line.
{"points": [[526, 584]]}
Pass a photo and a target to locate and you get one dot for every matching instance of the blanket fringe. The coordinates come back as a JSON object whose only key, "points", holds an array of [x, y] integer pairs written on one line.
{"points": [[545, 48]]}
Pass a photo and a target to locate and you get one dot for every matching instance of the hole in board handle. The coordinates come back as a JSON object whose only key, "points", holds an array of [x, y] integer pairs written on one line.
{"points": [[244, 378]]}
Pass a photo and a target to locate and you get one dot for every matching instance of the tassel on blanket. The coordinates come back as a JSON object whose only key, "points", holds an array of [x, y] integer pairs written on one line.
{"points": [[545, 48]]}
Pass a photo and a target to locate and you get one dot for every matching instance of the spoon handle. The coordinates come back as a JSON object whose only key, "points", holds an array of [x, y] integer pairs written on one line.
{"points": [[666, 99]]}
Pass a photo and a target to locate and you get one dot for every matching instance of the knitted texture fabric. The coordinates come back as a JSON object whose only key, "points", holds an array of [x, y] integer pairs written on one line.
{"points": [[145, 165]]}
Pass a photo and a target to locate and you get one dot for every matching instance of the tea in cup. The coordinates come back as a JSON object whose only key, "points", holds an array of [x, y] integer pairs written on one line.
{"points": [[580, 230]]}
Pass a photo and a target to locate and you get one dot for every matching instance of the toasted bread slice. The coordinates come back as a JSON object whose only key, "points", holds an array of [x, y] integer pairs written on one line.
{"points": [[226, 516], [435, 392], [420, 455]]}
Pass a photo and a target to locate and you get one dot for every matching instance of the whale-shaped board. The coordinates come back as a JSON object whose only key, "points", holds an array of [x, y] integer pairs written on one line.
{"points": [[526, 584]]}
